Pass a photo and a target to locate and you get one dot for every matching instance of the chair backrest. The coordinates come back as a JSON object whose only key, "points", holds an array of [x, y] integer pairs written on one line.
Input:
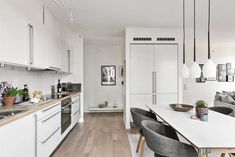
{"points": [[139, 115], [224, 110], [156, 138]]}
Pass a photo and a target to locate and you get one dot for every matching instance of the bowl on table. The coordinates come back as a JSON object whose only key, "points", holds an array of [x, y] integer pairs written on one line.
{"points": [[181, 107]]}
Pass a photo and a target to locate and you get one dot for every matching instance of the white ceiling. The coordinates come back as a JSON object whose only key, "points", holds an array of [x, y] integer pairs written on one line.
{"points": [[111, 17]]}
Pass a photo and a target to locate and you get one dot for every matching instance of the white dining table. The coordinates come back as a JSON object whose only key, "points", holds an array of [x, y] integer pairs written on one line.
{"points": [[215, 135]]}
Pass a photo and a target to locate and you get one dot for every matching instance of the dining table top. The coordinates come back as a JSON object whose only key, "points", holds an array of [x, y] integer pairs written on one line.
{"points": [[217, 133]]}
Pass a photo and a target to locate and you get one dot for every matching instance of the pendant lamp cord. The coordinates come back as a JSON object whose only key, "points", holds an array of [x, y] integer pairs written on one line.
{"points": [[209, 19], [183, 31], [194, 39]]}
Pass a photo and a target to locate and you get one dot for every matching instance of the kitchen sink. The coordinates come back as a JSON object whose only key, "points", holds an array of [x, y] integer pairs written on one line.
{"points": [[10, 113]]}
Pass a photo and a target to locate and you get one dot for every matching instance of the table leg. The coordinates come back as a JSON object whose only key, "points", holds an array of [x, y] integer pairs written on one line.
{"points": [[222, 154], [200, 155]]}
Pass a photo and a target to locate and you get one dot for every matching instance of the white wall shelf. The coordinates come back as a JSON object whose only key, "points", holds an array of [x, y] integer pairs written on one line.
{"points": [[105, 109]]}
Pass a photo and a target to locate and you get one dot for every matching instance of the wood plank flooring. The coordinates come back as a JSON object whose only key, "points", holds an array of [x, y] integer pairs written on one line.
{"points": [[101, 135]]}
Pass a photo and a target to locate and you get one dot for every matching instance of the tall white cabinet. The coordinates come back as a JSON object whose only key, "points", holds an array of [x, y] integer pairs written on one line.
{"points": [[153, 79]]}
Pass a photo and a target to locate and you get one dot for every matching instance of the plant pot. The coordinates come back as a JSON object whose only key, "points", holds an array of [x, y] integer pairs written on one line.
{"points": [[201, 111], [9, 101]]}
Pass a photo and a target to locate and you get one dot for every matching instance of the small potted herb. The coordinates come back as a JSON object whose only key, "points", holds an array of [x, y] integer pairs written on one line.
{"points": [[20, 95], [201, 108], [10, 97]]}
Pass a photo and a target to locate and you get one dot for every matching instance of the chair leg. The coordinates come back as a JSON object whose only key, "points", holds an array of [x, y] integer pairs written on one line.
{"points": [[138, 145], [142, 143]]}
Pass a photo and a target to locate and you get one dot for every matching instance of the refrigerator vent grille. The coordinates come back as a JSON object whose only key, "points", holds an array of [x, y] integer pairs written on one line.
{"points": [[165, 39], [142, 39]]}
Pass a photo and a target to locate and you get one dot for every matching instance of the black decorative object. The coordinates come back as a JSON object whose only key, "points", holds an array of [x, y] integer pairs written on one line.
{"points": [[201, 79], [108, 75]]}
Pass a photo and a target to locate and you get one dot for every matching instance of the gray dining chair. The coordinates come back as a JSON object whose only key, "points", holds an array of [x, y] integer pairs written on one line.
{"points": [[138, 116], [158, 140], [224, 110]]}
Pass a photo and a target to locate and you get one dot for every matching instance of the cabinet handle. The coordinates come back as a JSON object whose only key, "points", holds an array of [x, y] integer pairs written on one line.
{"points": [[76, 112], [152, 82], [66, 106], [69, 60], [50, 117], [153, 99], [43, 142], [75, 101], [155, 82], [31, 43], [50, 108]]}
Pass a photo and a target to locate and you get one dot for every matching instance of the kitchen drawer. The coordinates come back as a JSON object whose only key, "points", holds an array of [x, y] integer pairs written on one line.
{"points": [[46, 147], [75, 98], [75, 118], [48, 110], [75, 107], [47, 125]]}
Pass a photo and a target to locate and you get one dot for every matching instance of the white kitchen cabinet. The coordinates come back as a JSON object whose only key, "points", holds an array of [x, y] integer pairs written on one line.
{"points": [[13, 32], [154, 74], [142, 68], [141, 100], [166, 68], [75, 110], [17, 139], [47, 48], [48, 130]]}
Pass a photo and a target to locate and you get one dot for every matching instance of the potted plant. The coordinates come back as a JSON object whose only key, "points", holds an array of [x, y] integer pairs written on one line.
{"points": [[201, 108], [10, 96], [4, 87], [20, 94]]}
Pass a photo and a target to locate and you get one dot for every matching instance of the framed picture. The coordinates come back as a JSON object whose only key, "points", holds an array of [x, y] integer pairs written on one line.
{"points": [[222, 75], [221, 67], [230, 78], [228, 65], [108, 75]]}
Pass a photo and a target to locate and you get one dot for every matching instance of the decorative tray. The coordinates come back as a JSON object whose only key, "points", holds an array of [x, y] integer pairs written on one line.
{"points": [[181, 107]]}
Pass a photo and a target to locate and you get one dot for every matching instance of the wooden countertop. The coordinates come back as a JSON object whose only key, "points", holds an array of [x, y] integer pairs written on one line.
{"points": [[29, 108]]}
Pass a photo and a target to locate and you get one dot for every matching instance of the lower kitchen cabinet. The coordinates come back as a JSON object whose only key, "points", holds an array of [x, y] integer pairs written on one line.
{"points": [[75, 110], [48, 131], [17, 139]]}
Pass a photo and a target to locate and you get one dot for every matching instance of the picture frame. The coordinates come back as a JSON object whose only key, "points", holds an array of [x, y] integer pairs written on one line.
{"points": [[108, 75]]}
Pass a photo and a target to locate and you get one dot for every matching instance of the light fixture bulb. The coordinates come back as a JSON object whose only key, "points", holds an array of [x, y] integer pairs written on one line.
{"points": [[209, 69], [195, 70], [185, 71]]}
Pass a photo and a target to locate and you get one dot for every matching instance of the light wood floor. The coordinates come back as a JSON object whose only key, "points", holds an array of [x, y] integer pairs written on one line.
{"points": [[101, 135]]}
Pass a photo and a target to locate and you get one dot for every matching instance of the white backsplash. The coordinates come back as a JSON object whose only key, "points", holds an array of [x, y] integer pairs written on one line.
{"points": [[36, 80]]}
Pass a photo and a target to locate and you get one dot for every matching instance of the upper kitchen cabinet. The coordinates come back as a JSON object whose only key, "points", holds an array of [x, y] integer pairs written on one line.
{"points": [[13, 32], [31, 35], [65, 51]]}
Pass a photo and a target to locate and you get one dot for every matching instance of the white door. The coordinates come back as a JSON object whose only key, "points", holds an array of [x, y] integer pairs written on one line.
{"points": [[141, 100], [142, 68], [166, 68]]}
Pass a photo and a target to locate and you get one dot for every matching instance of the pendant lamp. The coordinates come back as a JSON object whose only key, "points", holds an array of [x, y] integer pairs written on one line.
{"points": [[195, 68], [209, 70], [184, 69]]}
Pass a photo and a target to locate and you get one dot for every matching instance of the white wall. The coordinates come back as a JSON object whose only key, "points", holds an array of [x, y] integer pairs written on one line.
{"points": [[98, 52], [206, 91], [77, 67]]}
